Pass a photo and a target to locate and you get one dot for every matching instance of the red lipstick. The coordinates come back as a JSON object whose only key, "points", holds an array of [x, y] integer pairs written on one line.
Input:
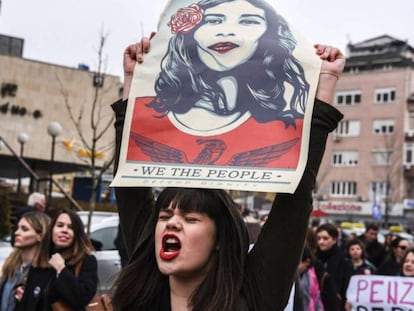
{"points": [[171, 246], [223, 47]]}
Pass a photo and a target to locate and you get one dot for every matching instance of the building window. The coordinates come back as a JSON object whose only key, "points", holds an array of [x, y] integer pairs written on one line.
{"points": [[348, 128], [408, 153], [354, 70], [379, 191], [381, 157], [345, 158], [343, 188], [411, 120], [385, 95], [383, 127], [348, 98]]}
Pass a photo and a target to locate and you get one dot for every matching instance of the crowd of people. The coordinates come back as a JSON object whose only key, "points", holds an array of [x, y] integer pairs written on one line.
{"points": [[52, 260], [190, 249], [330, 256]]}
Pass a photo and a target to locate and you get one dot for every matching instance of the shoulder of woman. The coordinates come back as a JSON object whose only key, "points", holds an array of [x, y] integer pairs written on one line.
{"points": [[89, 259]]}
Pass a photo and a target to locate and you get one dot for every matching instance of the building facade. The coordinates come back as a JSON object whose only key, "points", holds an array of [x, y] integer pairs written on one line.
{"points": [[35, 94], [368, 169]]}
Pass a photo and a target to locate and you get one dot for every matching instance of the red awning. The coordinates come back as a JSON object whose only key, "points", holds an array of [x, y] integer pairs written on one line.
{"points": [[318, 213]]}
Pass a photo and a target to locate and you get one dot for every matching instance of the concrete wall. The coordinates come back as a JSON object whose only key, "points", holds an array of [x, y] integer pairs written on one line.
{"points": [[43, 87]]}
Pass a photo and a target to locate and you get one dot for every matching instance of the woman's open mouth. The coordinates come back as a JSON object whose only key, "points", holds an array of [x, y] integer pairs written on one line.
{"points": [[171, 247], [223, 47]]}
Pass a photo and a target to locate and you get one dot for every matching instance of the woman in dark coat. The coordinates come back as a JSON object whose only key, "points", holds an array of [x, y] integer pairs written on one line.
{"points": [[333, 259]]}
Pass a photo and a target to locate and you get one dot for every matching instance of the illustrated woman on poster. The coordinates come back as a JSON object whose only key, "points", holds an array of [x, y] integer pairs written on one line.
{"points": [[229, 67]]}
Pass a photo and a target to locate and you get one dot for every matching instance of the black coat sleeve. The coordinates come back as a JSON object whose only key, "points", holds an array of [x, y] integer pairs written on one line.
{"points": [[273, 261], [134, 204]]}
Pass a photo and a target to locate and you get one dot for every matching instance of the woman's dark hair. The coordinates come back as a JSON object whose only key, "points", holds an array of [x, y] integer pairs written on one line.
{"points": [[261, 85], [353, 242], [311, 241], [80, 246], [330, 228], [393, 245], [409, 250], [221, 287]]}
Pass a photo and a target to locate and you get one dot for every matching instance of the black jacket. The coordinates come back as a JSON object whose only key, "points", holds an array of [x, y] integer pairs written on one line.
{"points": [[389, 267], [339, 268], [44, 287], [375, 251]]}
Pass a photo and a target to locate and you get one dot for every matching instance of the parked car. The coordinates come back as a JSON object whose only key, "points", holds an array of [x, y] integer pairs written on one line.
{"points": [[5, 249], [102, 235], [104, 229]]}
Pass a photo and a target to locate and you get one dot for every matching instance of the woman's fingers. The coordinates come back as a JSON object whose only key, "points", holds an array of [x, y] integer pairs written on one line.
{"points": [[18, 294], [327, 52], [143, 47]]}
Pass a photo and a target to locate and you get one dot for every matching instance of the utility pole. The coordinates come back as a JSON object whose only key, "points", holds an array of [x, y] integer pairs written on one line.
{"points": [[387, 207]]}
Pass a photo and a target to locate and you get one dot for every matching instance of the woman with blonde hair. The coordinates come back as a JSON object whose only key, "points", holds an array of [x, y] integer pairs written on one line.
{"points": [[31, 229]]}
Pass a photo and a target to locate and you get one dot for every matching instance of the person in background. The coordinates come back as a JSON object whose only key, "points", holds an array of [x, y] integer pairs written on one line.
{"points": [[342, 238], [30, 231], [65, 270], [355, 250], [35, 202], [375, 250], [317, 287], [164, 272], [391, 265], [333, 259], [407, 263], [388, 239], [312, 241]]}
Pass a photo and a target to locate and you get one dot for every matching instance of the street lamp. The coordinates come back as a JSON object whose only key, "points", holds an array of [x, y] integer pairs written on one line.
{"points": [[53, 129], [22, 139]]}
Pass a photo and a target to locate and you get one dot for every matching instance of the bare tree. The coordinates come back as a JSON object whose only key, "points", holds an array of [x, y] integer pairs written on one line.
{"points": [[391, 158], [91, 133]]}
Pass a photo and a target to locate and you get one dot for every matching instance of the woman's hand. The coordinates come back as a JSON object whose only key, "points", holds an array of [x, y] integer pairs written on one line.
{"points": [[133, 54], [333, 63], [348, 306], [18, 292], [333, 59], [57, 262]]}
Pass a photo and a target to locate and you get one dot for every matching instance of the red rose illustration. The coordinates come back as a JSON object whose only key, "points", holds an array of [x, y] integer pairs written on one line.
{"points": [[186, 19]]}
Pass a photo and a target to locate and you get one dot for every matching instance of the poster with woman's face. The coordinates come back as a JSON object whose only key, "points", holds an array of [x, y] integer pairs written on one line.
{"points": [[223, 100]]}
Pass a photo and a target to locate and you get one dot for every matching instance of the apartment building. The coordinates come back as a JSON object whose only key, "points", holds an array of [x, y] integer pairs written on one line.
{"points": [[368, 169]]}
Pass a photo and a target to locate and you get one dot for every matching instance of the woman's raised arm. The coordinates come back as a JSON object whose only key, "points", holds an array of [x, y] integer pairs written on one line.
{"points": [[273, 261], [134, 204]]}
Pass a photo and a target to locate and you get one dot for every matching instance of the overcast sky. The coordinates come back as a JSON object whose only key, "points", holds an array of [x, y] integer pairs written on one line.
{"points": [[67, 32]]}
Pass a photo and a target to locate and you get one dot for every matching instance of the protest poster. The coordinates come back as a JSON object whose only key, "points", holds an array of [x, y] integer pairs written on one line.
{"points": [[224, 99], [381, 293]]}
